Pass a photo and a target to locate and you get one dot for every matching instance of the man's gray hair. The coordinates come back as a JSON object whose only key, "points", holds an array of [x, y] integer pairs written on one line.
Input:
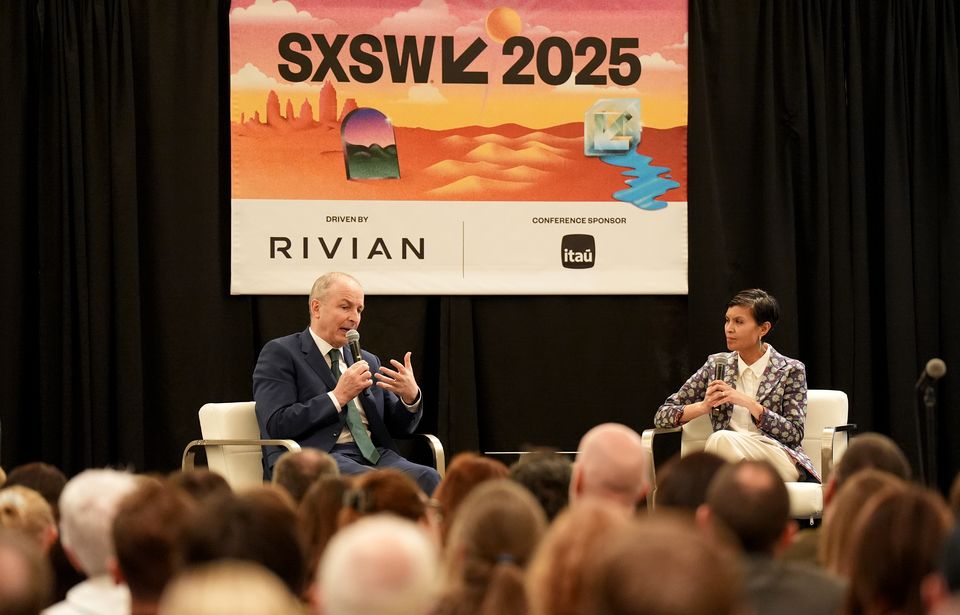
{"points": [[88, 505], [324, 282], [381, 564]]}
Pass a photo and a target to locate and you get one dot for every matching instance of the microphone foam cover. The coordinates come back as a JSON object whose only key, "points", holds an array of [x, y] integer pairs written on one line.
{"points": [[936, 368]]}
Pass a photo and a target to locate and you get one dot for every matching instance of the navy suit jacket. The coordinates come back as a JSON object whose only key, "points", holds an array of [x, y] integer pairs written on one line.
{"points": [[290, 386]]}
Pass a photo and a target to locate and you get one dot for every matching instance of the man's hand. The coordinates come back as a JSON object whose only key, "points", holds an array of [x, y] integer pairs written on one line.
{"points": [[355, 379], [399, 380]]}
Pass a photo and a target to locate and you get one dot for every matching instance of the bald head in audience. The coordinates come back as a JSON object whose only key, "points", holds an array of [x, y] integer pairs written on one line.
{"points": [[611, 464], [380, 564]]}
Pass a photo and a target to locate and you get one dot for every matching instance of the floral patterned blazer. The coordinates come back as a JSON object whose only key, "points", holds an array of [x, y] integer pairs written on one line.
{"points": [[782, 393]]}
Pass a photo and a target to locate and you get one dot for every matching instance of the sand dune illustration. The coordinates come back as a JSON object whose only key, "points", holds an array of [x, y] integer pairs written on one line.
{"points": [[530, 156], [452, 169], [480, 185]]}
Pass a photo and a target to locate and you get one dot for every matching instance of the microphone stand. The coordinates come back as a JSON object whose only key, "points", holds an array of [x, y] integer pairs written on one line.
{"points": [[929, 393]]}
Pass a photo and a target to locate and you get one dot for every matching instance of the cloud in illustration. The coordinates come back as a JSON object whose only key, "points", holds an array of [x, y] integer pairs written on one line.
{"points": [[269, 10], [252, 78], [430, 17], [657, 62], [424, 93], [682, 45], [543, 31]]}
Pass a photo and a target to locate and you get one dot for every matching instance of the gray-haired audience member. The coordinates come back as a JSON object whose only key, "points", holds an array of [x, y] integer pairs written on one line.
{"points": [[612, 465], [661, 565], [381, 564], [229, 586], [26, 580], [297, 470], [750, 499], [547, 475], [88, 505], [683, 481]]}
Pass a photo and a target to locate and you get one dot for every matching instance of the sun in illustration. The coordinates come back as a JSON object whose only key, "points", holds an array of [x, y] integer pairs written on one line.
{"points": [[502, 23]]}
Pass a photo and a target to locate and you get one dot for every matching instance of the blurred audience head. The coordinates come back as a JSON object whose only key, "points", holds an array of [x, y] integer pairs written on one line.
{"points": [[45, 479], [381, 564], [26, 581], [867, 451], [683, 481], [383, 491], [954, 497], [898, 539], [465, 472], [319, 512], [547, 475], [555, 576], [146, 536], [199, 484], [88, 505], [644, 568], [839, 517], [25, 510], [259, 525], [751, 501], [295, 471], [234, 587], [611, 464]]}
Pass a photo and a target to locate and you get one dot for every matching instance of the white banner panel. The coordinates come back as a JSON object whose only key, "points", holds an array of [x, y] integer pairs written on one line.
{"points": [[399, 247]]}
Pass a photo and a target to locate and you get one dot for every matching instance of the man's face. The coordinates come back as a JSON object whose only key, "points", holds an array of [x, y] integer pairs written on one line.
{"points": [[337, 311]]}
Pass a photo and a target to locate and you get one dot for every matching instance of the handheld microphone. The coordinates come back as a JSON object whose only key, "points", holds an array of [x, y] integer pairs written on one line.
{"points": [[720, 368], [353, 340], [932, 371]]}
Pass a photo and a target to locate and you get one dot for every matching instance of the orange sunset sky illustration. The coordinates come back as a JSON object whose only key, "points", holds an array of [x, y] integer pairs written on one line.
{"points": [[471, 142]]}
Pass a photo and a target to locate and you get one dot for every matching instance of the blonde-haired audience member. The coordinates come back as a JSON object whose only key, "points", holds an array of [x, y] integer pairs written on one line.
{"points": [[898, 540], [26, 510], [490, 544], [379, 565], [231, 586], [555, 576], [837, 533], [661, 565]]}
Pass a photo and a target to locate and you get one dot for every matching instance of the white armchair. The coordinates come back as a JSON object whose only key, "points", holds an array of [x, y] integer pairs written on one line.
{"points": [[825, 436]]}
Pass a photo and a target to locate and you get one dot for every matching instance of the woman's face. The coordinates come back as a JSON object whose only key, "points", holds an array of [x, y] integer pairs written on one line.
{"points": [[742, 330]]}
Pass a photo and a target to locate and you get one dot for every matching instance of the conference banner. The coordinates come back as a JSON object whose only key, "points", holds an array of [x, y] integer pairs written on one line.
{"points": [[459, 147]]}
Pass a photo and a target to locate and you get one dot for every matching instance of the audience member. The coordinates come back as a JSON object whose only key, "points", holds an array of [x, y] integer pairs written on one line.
{"points": [[867, 451], [25, 577], [259, 525], [88, 505], [45, 479], [234, 587], [295, 471], [898, 539], [25, 510], [490, 543], [199, 484], [940, 590], [381, 565], [547, 475], [839, 517], [683, 481], [384, 491], [611, 464], [660, 565], [465, 472], [751, 500], [146, 537], [319, 513], [555, 576], [955, 496]]}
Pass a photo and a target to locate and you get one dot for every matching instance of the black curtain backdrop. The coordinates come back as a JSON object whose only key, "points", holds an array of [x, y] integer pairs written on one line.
{"points": [[824, 165]]}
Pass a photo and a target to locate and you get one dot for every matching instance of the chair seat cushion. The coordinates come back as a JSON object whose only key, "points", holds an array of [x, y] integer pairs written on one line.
{"points": [[806, 499]]}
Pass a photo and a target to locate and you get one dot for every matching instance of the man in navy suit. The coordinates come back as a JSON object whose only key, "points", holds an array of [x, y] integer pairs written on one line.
{"points": [[310, 388]]}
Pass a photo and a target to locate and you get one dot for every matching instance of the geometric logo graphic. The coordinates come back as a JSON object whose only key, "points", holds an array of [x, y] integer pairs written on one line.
{"points": [[369, 145], [612, 126], [578, 251]]}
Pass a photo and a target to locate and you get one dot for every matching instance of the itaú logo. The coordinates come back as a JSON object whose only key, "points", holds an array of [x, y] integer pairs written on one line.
{"points": [[578, 251]]}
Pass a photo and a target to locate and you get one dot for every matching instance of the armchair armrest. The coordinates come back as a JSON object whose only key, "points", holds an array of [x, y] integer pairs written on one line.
{"points": [[421, 447], [828, 446], [658, 448], [189, 452]]}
